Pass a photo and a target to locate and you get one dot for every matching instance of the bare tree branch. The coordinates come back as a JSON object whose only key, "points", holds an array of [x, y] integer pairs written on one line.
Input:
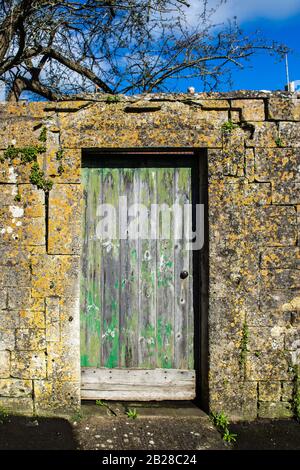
{"points": [[62, 48]]}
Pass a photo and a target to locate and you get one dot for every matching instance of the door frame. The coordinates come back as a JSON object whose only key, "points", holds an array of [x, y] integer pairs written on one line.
{"points": [[196, 159]]}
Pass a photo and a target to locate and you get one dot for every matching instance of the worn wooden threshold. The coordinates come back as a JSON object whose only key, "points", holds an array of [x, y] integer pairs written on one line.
{"points": [[137, 384]]}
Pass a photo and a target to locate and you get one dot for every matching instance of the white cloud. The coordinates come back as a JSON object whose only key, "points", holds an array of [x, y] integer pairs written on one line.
{"points": [[246, 10]]}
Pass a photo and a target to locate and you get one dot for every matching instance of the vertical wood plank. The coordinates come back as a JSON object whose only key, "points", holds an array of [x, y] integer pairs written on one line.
{"points": [[182, 263], [135, 309], [147, 277], [129, 277], [165, 274], [110, 277], [90, 320]]}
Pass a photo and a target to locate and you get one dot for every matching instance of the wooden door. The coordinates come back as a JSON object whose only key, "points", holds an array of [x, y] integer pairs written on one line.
{"points": [[137, 321]]}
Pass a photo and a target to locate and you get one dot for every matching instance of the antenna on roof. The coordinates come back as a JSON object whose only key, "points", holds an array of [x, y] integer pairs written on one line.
{"points": [[287, 72]]}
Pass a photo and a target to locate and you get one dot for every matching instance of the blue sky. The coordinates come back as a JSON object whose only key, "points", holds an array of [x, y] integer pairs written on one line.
{"points": [[277, 20], [266, 72]]}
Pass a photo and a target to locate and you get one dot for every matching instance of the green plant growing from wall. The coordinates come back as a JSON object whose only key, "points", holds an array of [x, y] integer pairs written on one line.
{"points": [[26, 154], [296, 393], [244, 344], [43, 134], [29, 154], [3, 415], [59, 158], [37, 177], [228, 127], [221, 421], [279, 142], [113, 99], [17, 197]]}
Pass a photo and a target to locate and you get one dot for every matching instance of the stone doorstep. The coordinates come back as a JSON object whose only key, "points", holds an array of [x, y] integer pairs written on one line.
{"points": [[149, 410]]}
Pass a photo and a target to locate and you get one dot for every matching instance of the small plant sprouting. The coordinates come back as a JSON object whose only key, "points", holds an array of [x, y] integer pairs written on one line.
{"points": [[76, 417], [228, 127], [113, 99], [221, 421], [17, 197], [229, 436], [3, 415], [279, 142], [26, 154], [37, 177], [100, 403], [43, 134], [296, 394], [132, 413], [59, 157], [244, 344]]}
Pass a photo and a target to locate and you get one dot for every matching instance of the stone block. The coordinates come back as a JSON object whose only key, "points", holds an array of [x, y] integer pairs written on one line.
{"points": [[273, 410], [56, 397], [52, 319], [3, 299], [63, 362], [212, 103], [32, 319], [283, 257], [65, 219], [7, 339], [257, 194], [287, 391], [289, 133], [279, 300], [9, 319], [286, 193], [283, 109], [33, 201], [268, 366], [280, 278], [33, 231], [55, 276], [19, 297], [222, 162], [4, 364], [250, 165], [28, 364], [265, 135], [252, 109], [269, 391], [18, 406], [15, 388], [70, 162], [15, 276], [266, 339], [278, 165], [28, 339], [271, 225], [8, 194], [292, 339], [238, 400]]}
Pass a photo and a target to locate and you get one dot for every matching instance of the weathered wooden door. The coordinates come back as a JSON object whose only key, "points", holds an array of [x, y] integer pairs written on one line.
{"points": [[137, 321]]}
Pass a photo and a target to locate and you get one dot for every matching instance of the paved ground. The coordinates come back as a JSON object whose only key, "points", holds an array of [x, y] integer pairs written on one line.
{"points": [[155, 428], [23, 433], [167, 427], [266, 434]]}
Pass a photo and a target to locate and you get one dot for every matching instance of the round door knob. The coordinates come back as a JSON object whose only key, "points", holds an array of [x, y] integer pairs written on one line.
{"points": [[184, 274]]}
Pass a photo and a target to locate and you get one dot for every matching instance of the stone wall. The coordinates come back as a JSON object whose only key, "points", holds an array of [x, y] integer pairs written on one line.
{"points": [[253, 142]]}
